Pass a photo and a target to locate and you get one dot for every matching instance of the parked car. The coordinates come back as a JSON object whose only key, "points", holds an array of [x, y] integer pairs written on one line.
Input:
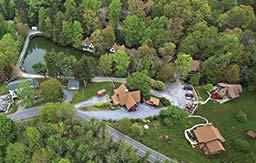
{"points": [[187, 87], [189, 95]]}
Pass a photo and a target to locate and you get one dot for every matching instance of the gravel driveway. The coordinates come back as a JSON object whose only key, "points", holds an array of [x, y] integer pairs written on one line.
{"points": [[143, 112]]}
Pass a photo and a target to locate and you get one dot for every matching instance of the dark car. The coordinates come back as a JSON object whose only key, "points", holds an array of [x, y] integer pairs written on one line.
{"points": [[187, 87], [189, 95]]}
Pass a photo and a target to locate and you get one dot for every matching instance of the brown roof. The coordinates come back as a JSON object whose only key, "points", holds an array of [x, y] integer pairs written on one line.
{"points": [[233, 90], [121, 89], [154, 101], [102, 91], [123, 97], [153, 82], [87, 40], [118, 47], [207, 133], [130, 102], [214, 147], [251, 134], [115, 100], [196, 64]]}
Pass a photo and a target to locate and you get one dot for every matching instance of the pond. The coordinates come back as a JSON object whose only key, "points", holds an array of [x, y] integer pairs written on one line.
{"points": [[38, 47]]}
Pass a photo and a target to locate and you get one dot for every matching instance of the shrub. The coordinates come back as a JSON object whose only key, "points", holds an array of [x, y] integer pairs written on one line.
{"points": [[137, 130], [124, 123], [177, 115], [102, 105], [208, 87], [51, 90], [168, 122], [195, 79], [159, 85], [241, 145], [241, 117], [164, 101]]}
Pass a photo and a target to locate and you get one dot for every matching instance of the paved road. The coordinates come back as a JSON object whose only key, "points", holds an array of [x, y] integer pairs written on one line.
{"points": [[143, 112], [92, 101], [116, 135], [108, 79]]}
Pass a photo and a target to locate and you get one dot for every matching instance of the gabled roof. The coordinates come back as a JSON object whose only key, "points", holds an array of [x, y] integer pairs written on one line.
{"points": [[130, 102], [233, 90], [72, 83], [87, 41], [121, 89], [208, 133], [215, 146], [115, 100], [154, 101]]}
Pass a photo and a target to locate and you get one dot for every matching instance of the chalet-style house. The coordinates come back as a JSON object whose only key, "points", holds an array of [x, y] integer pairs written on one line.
{"points": [[13, 86], [116, 47], [88, 46], [225, 91], [196, 66], [209, 139], [123, 97]]}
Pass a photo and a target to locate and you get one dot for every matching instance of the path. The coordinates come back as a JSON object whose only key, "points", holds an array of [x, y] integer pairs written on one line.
{"points": [[144, 111], [18, 71]]}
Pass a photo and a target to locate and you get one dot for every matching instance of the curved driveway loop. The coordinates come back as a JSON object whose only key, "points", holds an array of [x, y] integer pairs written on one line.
{"points": [[144, 111]]}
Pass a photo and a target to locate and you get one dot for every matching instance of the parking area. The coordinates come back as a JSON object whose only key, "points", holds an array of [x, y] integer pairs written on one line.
{"points": [[179, 94]]}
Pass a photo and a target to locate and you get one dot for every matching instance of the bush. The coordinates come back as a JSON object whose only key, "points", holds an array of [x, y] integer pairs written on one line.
{"points": [[195, 79], [168, 122], [164, 101], [159, 85], [241, 117], [241, 145], [208, 87], [51, 91], [137, 130], [102, 105], [124, 124], [176, 115]]}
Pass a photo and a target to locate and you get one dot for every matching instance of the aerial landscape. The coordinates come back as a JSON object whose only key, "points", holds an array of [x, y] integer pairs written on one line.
{"points": [[116, 81]]}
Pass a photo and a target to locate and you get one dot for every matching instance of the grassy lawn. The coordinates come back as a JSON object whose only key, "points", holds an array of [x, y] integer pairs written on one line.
{"points": [[90, 91], [3, 89], [203, 95], [222, 116]]}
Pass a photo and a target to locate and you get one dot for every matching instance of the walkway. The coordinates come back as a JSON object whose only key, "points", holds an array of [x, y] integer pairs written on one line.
{"points": [[144, 111]]}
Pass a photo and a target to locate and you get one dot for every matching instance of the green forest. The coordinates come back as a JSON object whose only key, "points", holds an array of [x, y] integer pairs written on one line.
{"points": [[58, 136], [162, 37]]}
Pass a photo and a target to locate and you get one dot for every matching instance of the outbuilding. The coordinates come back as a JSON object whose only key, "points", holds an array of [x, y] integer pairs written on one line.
{"points": [[73, 85]]}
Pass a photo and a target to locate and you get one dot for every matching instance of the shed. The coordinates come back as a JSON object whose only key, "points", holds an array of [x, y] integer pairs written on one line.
{"points": [[153, 101], [101, 92], [251, 134], [73, 85]]}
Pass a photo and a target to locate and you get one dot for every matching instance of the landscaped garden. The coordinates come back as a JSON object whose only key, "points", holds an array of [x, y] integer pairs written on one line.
{"points": [[222, 116]]}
